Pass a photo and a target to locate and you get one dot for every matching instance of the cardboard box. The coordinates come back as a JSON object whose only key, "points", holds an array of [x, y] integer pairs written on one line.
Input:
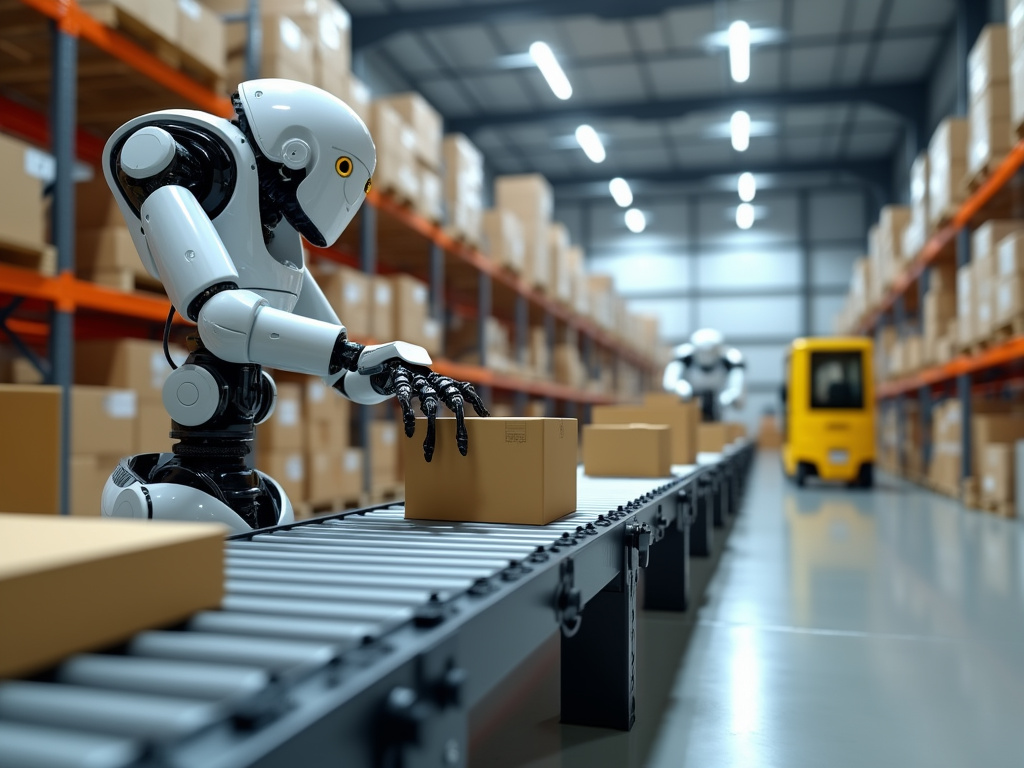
{"points": [[627, 450], [104, 249], [77, 584], [323, 476], [321, 403], [30, 461], [1017, 85], [284, 430], [1010, 254], [140, 18], [986, 238], [331, 30], [103, 420], [89, 474], [95, 206], [396, 152], [409, 308], [357, 95], [348, 292], [152, 429], [712, 437], [426, 123], [125, 363], [530, 198], [288, 468], [384, 448], [516, 471], [382, 322], [503, 239], [287, 50], [1009, 299], [430, 195], [989, 138], [988, 61], [965, 304], [988, 428], [351, 473], [22, 216], [681, 418], [568, 366], [463, 186], [560, 277], [769, 436], [327, 434], [201, 35], [998, 484], [947, 164]]}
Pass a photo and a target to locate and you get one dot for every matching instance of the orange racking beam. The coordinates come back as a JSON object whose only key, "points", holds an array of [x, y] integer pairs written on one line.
{"points": [[34, 127]]}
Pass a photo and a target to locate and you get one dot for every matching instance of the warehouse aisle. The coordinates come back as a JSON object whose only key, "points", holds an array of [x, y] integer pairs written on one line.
{"points": [[851, 629]]}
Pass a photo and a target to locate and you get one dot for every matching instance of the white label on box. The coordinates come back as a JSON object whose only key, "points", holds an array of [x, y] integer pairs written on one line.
{"points": [[287, 412], [383, 293], [341, 18], [316, 390], [291, 35], [408, 138], [293, 468], [353, 292], [330, 36], [353, 461], [432, 329], [989, 484], [388, 433], [158, 370], [310, 7], [121, 404], [419, 294], [1003, 298], [190, 8], [1006, 249], [40, 165], [359, 91]]}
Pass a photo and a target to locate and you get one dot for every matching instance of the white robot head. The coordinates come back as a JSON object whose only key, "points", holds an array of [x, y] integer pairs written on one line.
{"points": [[323, 151], [708, 347]]}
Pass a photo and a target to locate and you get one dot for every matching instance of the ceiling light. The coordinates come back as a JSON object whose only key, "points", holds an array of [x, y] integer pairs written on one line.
{"points": [[636, 221], [744, 215], [739, 129], [551, 69], [739, 51], [591, 143], [747, 187], [621, 192]]}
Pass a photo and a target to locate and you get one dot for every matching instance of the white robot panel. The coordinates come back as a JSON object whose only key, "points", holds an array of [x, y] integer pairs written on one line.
{"points": [[709, 371]]}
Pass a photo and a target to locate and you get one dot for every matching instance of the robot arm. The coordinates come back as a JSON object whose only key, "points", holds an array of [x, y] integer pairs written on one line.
{"points": [[674, 380], [735, 383]]}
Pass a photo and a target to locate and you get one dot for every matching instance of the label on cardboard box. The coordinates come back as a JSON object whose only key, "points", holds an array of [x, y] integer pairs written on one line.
{"points": [[408, 138], [383, 293], [353, 292], [316, 391], [353, 460], [287, 413], [190, 8], [330, 36], [291, 35], [388, 434], [293, 468], [419, 294], [989, 484], [121, 404]]}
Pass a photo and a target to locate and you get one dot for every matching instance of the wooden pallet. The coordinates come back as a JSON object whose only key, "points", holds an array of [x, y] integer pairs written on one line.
{"points": [[1007, 330], [1001, 508], [128, 280], [36, 256], [973, 180]]}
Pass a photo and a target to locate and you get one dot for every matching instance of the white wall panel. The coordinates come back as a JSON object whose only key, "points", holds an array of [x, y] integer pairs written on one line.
{"points": [[641, 272], [749, 269], [751, 317], [666, 224], [823, 314], [764, 361], [776, 220], [833, 266], [673, 316], [836, 215]]}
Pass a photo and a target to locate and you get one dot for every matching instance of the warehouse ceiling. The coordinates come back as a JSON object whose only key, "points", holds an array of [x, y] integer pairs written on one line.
{"points": [[832, 82]]}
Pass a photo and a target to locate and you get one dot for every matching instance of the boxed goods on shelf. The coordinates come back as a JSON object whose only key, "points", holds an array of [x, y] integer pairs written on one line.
{"points": [[135, 364], [462, 343], [357, 96], [885, 247], [983, 271], [384, 449], [516, 471], [463, 188], [601, 289], [425, 123], [540, 353], [1009, 282], [938, 314], [988, 75], [151, 21], [103, 420], [202, 38], [288, 468], [530, 198], [411, 320], [285, 429], [917, 231], [965, 305], [429, 201], [1015, 44], [560, 277], [396, 142], [998, 488], [287, 52], [22, 216], [947, 165], [568, 366], [107, 256], [578, 278], [504, 240], [348, 292], [627, 450], [944, 470], [29, 465], [382, 322], [860, 283], [350, 481], [83, 585]]}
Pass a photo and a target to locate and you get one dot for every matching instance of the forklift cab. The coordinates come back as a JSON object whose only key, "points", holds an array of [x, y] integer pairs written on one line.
{"points": [[828, 404]]}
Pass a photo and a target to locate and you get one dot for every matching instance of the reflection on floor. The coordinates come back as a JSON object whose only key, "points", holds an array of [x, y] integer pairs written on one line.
{"points": [[841, 628]]}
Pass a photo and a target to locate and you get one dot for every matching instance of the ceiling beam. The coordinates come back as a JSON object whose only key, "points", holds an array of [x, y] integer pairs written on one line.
{"points": [[904, 99], [369, 29]]}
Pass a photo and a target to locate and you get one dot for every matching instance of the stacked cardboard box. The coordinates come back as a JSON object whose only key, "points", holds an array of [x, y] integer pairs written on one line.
{"points": [[202, 39], [1009, 282], [578, 276], [463, 188], [568, 366], [396, 143], [151, 22], [281, 442], [382, 320], [462, 343], [503, 239], [411, 313], [965, 313], [104, 422], [1015, 45], [917, 230], [530, 198], [425, 124], [30, 462], [22, 216], [947, 164], [540, 354], [945, 467], [939, 309], [885, 248], [348, 292], [984, 267], [560, 277], [988, 80], [326, 415], [659, 408], [601, 289], [860, 283], [384, 449], [357, 96]]}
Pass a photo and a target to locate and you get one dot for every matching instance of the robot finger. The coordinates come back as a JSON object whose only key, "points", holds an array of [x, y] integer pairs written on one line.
{"points": [[428, 405], [404, 393], [474, 399], [461, 435]]}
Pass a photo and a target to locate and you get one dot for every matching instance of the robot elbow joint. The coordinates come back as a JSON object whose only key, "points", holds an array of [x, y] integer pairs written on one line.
{"points": [[226, 322]]}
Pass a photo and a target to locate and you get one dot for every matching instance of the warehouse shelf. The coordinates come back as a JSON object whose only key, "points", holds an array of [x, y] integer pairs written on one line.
{"points": [[943, 241], [1000, 354]]}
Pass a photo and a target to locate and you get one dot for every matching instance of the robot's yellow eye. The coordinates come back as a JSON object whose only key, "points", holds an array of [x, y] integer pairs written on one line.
{"points": [[366, 187], [344, 167]]}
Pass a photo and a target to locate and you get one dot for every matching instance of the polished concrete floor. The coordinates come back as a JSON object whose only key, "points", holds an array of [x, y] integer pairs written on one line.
{"points": [[840, 628]]}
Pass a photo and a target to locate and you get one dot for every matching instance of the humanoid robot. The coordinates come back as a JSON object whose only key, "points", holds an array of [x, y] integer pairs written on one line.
{"points": [[706, 369], [216, 209]]}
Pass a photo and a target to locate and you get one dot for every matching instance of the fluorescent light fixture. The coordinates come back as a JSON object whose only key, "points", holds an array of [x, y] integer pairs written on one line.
{"points": [[551, 69], [636, 221], [591, 143], [747, 187], [739, 129], [739, 51], [621, 192], [744, 215]]}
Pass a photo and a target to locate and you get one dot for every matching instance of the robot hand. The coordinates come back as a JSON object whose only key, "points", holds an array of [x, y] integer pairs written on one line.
{"points": [[731, 397], [402, 370]]}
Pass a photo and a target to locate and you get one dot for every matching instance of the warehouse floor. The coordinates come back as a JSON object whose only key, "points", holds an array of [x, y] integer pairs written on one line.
{"points": [[842, 628]]}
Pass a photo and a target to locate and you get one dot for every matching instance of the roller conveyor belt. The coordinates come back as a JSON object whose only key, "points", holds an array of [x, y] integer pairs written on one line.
{"points": [[364, 639]]}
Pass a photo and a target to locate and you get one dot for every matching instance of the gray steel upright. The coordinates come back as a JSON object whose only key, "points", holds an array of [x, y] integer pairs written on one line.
{"points": [[437, 308], [522, 347], [368, 263], [963, 381], [253, 41], [63, 119], [483, 306]]}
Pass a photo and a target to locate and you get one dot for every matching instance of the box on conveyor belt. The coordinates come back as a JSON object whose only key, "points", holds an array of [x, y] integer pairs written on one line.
{"points": [[285, 429], [947, 164], [103, 420], [681, 418], [425, 122], [712, 437], [503, 239], [530, 198], [30, 456], [136, 364], [22, 216], [72, 584], [516, 471], [627, 450], [348, 292]]}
